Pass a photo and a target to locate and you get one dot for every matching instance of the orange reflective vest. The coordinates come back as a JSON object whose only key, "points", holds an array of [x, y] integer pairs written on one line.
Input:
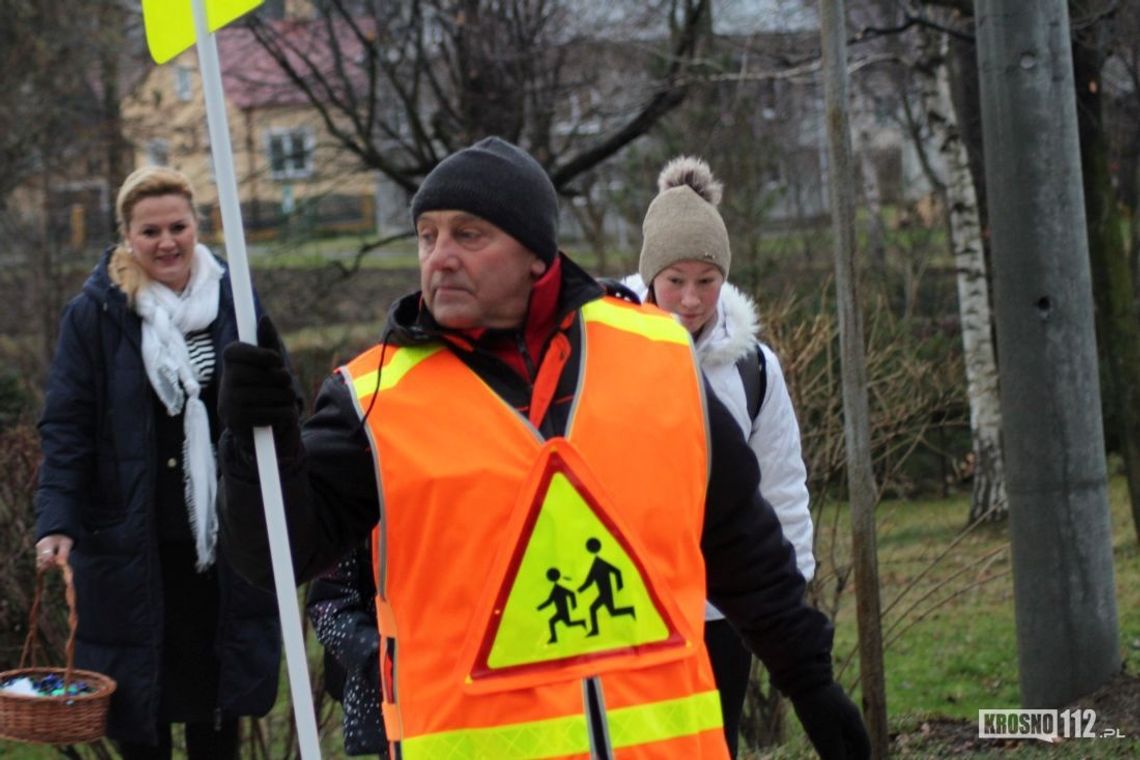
{"points": [[544, 598]]}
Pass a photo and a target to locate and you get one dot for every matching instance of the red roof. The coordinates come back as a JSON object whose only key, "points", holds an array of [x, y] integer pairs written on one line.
{"points": [[253, 78]]}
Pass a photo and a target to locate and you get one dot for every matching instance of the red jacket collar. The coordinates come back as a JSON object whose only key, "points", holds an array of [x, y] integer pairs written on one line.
{"points": [[538, 325]]}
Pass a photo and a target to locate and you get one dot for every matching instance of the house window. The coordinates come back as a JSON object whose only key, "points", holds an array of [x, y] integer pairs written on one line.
{"points": [[290, 153], [158, 152], [183, 88]]}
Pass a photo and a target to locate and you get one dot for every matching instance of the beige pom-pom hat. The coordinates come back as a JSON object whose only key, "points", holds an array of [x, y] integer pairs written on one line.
{"points": [[683, 223]]}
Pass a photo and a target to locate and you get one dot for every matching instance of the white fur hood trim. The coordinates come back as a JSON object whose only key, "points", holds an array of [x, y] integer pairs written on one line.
{"points": [[734, 332]]}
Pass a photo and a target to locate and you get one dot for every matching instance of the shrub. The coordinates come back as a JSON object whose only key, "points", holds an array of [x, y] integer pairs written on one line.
{"points": [[19, 459], [916, 391], [13, 400]]}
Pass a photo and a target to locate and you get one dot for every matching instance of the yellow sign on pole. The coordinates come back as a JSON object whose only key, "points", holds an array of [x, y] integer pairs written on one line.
{"points": [[170, 23]]}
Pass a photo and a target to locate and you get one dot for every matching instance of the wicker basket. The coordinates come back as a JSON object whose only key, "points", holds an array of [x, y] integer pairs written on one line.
{"points": [[59, 719]]}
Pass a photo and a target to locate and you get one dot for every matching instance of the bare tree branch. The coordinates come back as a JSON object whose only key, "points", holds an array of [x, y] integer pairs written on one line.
{"points": [[347, 270], [400, 84], [664, 101], [912, 18]]}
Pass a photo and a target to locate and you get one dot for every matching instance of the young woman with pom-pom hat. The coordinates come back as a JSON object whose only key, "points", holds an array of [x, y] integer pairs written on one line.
{"points": [[685, 260]]}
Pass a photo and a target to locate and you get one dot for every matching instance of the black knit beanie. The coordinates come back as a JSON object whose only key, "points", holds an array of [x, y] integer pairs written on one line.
{"points": [[499, 182]]}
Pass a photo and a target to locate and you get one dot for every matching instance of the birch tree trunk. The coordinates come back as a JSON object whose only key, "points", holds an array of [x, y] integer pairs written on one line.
{"points": [[963, 221]]}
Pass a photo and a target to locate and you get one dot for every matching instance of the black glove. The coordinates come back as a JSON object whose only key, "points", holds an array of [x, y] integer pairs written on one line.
{"points": [[833, 723], [257, 389]]}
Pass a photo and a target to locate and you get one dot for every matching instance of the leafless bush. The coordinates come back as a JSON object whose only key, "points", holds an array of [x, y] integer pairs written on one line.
{"points": [[19, 459], [916, 386], [916, 390]]}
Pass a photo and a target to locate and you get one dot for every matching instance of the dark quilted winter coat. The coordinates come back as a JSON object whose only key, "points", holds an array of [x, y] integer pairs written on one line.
{"points": [[98, 486]]}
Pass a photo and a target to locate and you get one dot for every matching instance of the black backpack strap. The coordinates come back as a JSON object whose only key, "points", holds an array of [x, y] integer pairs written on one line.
{"points": [[753, 374], [618, 290]]}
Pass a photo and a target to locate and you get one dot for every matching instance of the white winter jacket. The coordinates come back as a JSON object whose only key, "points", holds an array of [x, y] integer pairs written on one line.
{"points": [[775, 434]]}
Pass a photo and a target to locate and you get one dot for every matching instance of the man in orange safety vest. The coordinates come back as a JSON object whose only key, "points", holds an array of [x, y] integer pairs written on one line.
{"points": [[524, 438]]}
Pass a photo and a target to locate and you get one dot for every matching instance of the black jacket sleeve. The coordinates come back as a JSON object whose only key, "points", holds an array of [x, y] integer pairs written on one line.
{"points": [[328, 483], [751, 569], [68, 425], [342, 609]]}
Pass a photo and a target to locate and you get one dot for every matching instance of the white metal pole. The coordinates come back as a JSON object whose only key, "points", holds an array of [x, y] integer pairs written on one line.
{"points": [[222, 152]]}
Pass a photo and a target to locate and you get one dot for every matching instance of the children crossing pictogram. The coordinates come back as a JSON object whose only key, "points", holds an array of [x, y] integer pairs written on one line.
{"points": [[563, 600], [570, 562], [599, 575]]}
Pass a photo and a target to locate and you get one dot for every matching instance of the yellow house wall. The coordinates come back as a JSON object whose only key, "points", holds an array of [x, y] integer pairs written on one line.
{"points": [[154, 111]]}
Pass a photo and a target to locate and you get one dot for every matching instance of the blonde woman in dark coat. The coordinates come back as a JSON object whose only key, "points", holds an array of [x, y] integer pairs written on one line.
{"points": [[128, 488]]}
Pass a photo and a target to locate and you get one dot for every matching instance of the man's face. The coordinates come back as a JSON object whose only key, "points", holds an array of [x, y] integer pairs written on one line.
{"points": [[472, 273]]}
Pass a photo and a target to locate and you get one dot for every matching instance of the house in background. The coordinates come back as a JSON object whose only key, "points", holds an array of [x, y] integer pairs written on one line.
{"points": [[759, 124], [292, 179]]}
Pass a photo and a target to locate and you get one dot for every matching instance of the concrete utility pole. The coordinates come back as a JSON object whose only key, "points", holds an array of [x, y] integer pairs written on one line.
{"points": [[1064, 593], [856, 416]]}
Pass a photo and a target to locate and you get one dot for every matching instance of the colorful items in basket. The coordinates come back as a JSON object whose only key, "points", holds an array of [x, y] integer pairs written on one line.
{"points": [[50, 685]]}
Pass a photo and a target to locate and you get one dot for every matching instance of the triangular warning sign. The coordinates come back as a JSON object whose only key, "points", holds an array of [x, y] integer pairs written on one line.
{"points": [[574, 589]]}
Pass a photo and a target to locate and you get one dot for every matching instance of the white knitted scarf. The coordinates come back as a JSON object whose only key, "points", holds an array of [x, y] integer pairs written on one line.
{"points": [[167, 317]]}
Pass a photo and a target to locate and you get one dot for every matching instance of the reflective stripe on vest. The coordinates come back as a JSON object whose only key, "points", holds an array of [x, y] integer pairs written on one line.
{"points": [[454, 465], [403, 360], [658, 327], [558, 737]]}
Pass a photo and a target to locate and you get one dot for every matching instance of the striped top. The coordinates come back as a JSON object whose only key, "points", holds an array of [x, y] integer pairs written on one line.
{"points": [[202, 356]]}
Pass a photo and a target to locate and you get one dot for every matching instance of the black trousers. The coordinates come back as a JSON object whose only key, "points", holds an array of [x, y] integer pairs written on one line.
{"points": [[731, 664], [203, 742]]}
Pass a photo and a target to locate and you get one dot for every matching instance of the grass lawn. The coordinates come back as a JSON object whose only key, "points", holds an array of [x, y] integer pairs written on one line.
{"points": [[952, 646], [316, 253]]}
